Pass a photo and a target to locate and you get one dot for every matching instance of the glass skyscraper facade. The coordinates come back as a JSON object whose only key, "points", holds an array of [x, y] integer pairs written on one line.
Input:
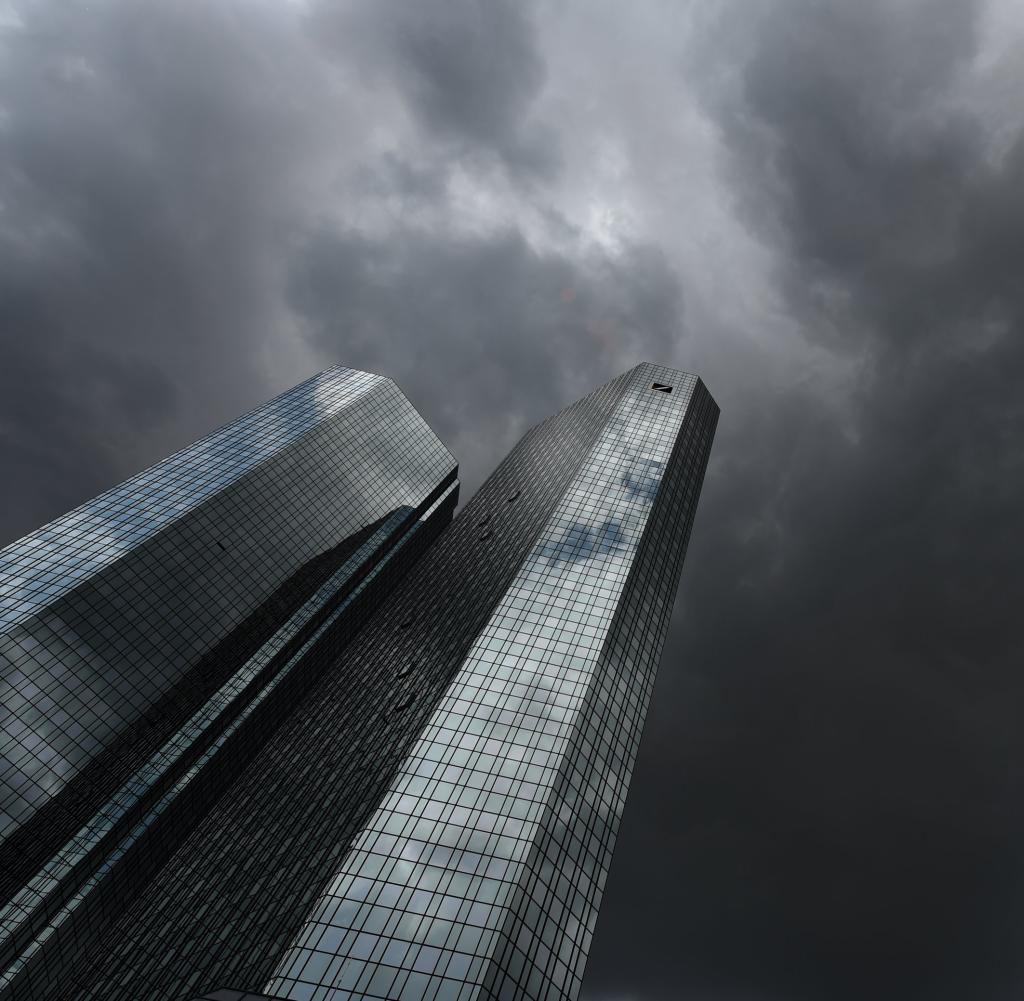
{"points": [[406, 779], [151, 638]]}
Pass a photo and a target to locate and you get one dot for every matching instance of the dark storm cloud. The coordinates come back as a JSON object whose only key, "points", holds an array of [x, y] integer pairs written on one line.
{"points": [[488, 333], [469, 70], [202, 202], [138, 155], [844, 683], [157, 166]]}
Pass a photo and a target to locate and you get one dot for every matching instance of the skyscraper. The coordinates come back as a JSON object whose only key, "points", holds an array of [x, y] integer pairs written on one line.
{"points": [[430, 809], [151, 639]]}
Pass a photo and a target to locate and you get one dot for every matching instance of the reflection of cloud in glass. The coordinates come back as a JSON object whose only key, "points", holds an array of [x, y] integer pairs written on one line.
{"points": [[642, 479], [38, 568], [46, 662], [503, 734], [581, 541]]}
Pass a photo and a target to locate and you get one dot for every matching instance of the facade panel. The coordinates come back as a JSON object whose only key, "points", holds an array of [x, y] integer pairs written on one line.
{"points": [[480, 873], [224, 909], [150, 636]]}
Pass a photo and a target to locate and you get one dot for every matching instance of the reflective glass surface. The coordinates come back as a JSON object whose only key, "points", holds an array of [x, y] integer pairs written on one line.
{"points": [[153, 638], [308, 737], [480, 873], [50, 561], [224, 908]]}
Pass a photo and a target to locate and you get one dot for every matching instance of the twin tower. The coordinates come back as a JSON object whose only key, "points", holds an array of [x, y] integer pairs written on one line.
{"points": [[275, 725]]}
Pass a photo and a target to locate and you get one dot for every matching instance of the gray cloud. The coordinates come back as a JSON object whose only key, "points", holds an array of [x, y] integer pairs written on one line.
{"points": [[468, 71], [814, 204], [140, 159], [849, 767], [488, 333]]}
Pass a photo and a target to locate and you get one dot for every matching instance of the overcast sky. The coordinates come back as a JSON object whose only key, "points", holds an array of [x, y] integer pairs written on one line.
{"points": [[816, 205]]}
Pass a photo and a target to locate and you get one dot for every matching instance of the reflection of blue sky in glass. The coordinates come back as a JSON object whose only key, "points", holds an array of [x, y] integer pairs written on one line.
{"points": [[39, 567], [426, 888]]}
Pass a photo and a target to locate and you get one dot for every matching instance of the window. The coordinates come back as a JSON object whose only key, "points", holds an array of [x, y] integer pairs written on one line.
{"points": [[660, 387], [407, 621], [486, 535], [514, 497]]}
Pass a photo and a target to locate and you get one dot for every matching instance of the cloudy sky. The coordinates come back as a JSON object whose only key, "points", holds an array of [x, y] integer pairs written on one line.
{"points": [[816, 205]]}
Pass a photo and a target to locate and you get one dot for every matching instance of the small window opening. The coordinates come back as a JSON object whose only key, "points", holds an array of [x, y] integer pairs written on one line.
{"points": [[514, 497], [407, 670], [402, 706], [407, 621], [483, 521], [660, 387], [486, 535], [222, 547]]}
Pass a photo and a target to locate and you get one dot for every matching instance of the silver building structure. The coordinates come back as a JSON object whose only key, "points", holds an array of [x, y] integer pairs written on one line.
{"points": [[413, 789], [481, 872]]}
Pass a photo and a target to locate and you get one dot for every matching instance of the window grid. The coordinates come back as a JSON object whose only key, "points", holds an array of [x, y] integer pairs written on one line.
{"points": [[490, 825], [237, 891], [136, 632], [508, 779]]}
